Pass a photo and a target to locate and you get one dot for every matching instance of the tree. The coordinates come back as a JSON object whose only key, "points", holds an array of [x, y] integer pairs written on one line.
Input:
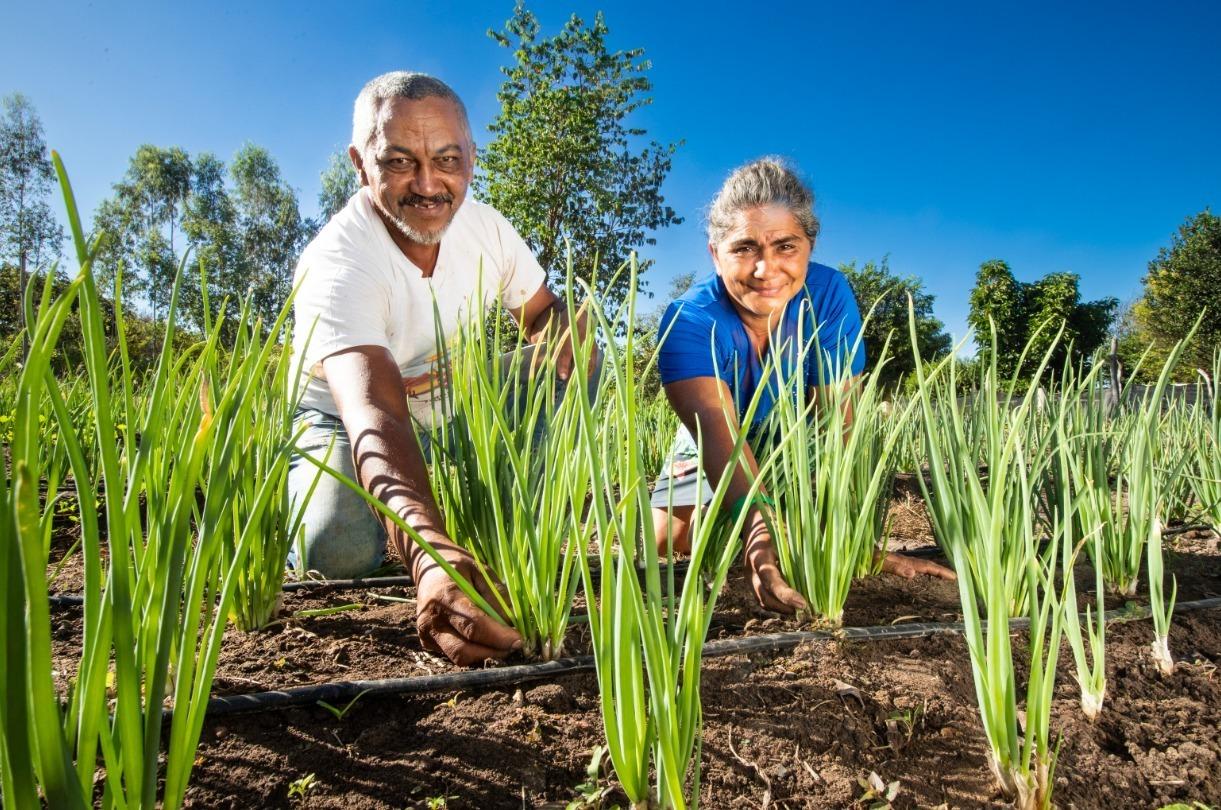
{"points": [[271, 231], [1034, 314], [1051, 302], [245, 234], [874, 285], [997, 306], [143, 220], [29, 234], [210, 224], [564, 166], [339, 183], [1183, 281]]}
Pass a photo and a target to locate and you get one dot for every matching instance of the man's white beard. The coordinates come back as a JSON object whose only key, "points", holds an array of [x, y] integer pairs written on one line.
{"points": [[417, 236]]}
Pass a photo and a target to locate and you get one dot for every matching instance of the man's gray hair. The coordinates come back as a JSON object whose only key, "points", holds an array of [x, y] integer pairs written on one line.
{"points": [[766, 181], [398, 84]]}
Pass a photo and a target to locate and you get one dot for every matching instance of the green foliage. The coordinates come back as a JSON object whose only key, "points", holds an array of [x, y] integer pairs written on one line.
{"points": [[646, 631], [832, 479], [1184, 279], [29, 234], [1018, 315], [999, 297], [339, 713], [142, 221], [646, 335], [508, 475], [211, 225], [565, 165], [875, 283], [270, 230], [142, 335], [300, 789], [339, 183], [155, 602], [243, 227]]}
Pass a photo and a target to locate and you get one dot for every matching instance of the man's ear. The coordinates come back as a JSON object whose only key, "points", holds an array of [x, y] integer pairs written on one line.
{"points": [[358, 163], [712, 253]]}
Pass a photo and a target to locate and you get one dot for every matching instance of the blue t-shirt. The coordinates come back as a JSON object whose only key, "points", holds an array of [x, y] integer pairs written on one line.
{"points": [[706, 337]]}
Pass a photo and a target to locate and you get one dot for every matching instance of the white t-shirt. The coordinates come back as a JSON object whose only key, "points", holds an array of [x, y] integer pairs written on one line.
{"points": [[358, 289]]}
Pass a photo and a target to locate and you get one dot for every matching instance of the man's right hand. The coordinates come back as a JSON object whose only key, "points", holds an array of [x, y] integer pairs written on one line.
{"points": [[449, 622]]}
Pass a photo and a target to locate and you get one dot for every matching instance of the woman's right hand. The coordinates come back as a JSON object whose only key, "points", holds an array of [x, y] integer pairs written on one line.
{"points": [[766, 580]]}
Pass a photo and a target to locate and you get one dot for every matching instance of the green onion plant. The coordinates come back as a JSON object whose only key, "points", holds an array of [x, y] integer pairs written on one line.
{"points": [[1205, 473], [35, 757], [1143, 476], [1159, 606], [985, 470], [265, 368], [1091, 666], [971, 521], [832, 479], [647, 637], [155, 605], [506, 475]]}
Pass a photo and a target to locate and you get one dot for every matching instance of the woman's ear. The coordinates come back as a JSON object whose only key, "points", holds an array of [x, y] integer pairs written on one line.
{"points": [[712, 252]]}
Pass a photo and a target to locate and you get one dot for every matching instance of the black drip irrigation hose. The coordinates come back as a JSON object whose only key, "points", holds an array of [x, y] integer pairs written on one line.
{"points": [[340, 585], [347, 584], [522, 673]]}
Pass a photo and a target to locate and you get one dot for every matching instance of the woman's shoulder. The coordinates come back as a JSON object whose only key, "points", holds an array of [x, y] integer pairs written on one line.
{"points": [[700, 307], [822, 277], [827, 287]]}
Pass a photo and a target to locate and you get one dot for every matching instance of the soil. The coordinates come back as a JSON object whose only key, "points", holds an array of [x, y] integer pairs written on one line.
{"points": [[803, 729]]}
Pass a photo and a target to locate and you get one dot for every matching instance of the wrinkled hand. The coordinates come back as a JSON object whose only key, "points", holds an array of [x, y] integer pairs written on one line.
{"points": [[450, 623], [766, 580], [565, 362], [910, 567]]}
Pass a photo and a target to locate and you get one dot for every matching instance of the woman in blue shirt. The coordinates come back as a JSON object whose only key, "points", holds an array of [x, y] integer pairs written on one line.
{"points": [[761, 231]]}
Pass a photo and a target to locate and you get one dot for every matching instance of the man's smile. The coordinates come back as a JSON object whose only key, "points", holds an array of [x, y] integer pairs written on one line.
{"points": [[428, 204]]}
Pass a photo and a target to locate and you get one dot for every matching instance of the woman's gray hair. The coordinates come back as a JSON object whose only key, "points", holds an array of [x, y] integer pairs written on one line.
{"points": [[766, 181], [398, 84]]}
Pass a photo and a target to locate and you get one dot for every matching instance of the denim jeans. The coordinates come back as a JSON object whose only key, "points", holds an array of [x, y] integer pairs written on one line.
{"points": [[341, 536]]}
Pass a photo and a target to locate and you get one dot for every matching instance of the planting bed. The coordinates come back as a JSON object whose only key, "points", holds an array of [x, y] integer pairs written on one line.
{"points": [[796, 729]]}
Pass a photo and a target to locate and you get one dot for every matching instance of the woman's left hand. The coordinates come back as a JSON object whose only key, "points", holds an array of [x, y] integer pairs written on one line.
{"points": [[910, 567]]}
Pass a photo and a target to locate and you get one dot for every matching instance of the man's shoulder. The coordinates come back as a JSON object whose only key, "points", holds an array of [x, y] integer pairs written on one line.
{"points": [[347, 238], [480, 221]]}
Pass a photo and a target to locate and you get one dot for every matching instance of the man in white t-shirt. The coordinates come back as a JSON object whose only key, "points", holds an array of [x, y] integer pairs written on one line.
{"points": [[366, 331]]}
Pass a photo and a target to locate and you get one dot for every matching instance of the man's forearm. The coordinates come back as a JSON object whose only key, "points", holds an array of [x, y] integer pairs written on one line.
{"points": [[391, 467], [550, 320]]}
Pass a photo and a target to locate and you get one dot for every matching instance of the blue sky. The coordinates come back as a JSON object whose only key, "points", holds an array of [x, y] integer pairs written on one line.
{"points": [[1057, 136]]}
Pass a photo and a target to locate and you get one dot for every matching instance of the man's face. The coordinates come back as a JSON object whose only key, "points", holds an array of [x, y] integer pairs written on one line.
{"points": [[417, 166], [762, 260]]}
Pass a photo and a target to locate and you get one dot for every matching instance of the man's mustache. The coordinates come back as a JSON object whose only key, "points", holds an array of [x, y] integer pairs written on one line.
{"points": [[416, 199]]}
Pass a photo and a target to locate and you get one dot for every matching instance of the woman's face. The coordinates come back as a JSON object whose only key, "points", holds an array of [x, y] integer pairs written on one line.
{"points": [[762, 260]]}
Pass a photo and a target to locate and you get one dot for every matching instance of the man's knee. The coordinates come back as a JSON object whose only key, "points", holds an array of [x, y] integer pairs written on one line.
{"points": [[343, 549], [341, 537]]}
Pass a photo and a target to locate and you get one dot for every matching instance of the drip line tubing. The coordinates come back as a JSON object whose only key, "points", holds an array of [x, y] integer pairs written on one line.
{"points": [[503, 676], [340, 585]]}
